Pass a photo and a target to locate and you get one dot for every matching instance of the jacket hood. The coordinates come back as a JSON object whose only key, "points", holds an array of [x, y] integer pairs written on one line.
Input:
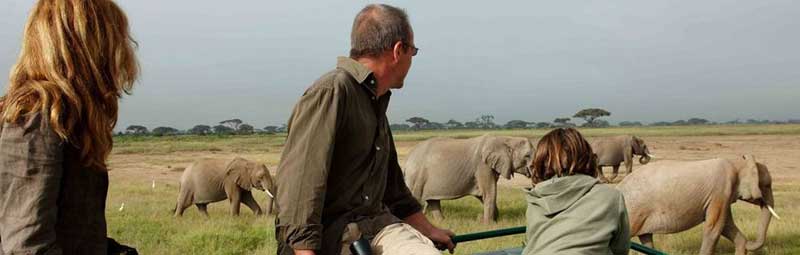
{"points": [[559, 193]]}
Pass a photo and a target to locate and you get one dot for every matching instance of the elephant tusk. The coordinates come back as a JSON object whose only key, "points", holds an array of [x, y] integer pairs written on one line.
{"points": [[652, 156], [269, 194], [773, 212]]}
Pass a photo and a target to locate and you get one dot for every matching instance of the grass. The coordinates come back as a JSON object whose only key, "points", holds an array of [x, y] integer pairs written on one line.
{"points": [[146, 222]]}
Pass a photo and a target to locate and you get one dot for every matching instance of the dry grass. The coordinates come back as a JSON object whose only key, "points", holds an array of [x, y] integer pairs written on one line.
{"points": [[147, 222]]}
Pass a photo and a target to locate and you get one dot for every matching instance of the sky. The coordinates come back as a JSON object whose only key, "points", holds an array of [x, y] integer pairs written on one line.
{"points": [[206, 61]]}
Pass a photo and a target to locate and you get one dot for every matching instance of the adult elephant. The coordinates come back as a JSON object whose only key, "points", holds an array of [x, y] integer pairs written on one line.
{"points": [[212, 180], [673, 196], [446, 168], [612, 151]]}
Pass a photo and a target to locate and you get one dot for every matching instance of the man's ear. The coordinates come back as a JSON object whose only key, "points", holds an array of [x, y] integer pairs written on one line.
{"points": [[397, 50]]}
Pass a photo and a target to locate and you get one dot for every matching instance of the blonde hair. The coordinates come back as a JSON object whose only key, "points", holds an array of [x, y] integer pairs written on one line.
{"points": [[76, 60], [562, 152]]}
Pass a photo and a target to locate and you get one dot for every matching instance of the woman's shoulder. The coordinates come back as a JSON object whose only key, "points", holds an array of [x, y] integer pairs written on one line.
{"points": [[30, 125], [607, 192]]}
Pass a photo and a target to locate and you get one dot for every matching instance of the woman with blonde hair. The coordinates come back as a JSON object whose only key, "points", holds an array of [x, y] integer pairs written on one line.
{"points": [[57, 115], [569, 211]]}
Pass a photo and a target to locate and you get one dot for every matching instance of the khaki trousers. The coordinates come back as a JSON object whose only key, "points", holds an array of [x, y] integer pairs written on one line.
{"points": [[395, 239]]}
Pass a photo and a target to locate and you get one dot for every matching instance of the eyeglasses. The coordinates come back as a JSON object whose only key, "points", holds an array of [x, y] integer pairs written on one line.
{"points": [[416, 50]]}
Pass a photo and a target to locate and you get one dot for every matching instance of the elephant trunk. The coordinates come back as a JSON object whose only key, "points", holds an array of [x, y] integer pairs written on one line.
{"points": [[766, 216], [644, 159]]}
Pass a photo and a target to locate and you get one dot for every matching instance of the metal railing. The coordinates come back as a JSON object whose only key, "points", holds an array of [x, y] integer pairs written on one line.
{"points": [[361, 247]]}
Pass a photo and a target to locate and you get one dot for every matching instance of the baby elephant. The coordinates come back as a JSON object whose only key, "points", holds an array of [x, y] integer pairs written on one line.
{"points": [[212, 180]]}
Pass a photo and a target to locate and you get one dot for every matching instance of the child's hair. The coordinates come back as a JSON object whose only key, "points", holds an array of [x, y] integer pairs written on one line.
{"points": [[562, 152]]}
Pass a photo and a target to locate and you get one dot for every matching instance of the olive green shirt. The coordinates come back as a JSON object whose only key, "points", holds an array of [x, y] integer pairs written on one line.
{"points": [[339, 164]]}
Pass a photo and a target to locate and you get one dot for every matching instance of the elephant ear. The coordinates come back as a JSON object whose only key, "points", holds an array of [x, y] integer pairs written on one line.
{"points": [[240, 171], [748, 179], [498, 156]]}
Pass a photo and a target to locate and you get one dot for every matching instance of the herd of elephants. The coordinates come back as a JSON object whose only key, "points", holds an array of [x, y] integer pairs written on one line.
{"points": [[666, 196]]}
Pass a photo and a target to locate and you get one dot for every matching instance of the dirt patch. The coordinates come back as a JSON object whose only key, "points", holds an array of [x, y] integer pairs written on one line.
{"points": [[781, 153]]}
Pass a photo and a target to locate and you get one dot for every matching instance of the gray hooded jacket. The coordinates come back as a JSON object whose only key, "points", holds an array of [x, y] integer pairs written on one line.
{"points": [[576, 215]]}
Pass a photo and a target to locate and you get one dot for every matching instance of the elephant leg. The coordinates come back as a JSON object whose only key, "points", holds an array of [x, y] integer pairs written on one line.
{"points": [[731, 232], [435, 208], [600, 174], [490, 212], [647, 240], [614, 173], [184, 201], [249, 201], [203, 209], [716, 217], [235, 199]]}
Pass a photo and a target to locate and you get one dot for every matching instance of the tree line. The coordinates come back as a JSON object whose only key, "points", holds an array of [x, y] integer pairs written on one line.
{"points": [[592, 118], [225, 127]]}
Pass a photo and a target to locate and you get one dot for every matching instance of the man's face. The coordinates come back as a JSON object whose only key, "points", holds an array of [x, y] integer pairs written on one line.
{"points": [[404, 62]]}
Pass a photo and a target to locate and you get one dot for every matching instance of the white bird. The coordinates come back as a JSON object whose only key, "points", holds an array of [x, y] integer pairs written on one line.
{"points": [[154, 184], [122, 207]]}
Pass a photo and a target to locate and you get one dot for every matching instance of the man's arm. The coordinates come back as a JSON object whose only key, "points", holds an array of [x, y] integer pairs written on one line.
{"points": [[303, 170], [403, 205]]}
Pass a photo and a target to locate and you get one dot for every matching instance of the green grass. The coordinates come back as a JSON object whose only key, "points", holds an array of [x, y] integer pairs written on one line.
{"points": [[147, 223]]}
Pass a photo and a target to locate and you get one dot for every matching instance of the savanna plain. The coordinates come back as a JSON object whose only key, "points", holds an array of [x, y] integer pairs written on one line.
{"points": [[145, 172]]}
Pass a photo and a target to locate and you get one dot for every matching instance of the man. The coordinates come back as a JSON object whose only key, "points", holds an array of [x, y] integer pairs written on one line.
{"points": [[339, 179]]}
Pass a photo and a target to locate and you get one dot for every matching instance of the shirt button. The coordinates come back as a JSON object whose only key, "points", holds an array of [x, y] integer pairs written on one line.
{"points": [[371, 81], [366, 197], [377, 148], [373, 98]]}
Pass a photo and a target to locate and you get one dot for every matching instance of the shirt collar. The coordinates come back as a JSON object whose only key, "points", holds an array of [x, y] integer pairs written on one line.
{"points": [[360, 72]]}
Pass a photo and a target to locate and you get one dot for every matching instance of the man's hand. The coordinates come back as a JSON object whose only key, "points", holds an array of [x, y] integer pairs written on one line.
{"points": [[304, 252], [441, 237]]}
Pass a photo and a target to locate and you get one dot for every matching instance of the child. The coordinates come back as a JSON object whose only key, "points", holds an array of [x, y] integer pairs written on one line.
{"points": [[569, 211]]}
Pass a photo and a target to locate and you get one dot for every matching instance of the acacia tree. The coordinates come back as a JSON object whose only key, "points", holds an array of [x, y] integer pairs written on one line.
{"points": [[486, 121], [232, 123], [200, 130], [160, 131], [516, 124], [590, 115], [563, 122], [136, 130], [220, 129], [245, 129], [418, 122], [271, 129], [454, 124]]}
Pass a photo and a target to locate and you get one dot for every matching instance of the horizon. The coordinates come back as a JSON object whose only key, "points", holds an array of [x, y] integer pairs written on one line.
{"points": [[204, 62]]}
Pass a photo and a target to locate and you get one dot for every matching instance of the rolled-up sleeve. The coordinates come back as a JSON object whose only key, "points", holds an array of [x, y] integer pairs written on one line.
{"points": [[31, 158], [398, 197], [304, 167]]}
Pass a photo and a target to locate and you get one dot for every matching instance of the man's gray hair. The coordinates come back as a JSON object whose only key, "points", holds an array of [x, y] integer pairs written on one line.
{"points": [[377, 28]]}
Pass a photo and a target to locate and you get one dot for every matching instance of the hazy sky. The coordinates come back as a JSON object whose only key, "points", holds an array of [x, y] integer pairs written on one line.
{"points": [[205, 61]]}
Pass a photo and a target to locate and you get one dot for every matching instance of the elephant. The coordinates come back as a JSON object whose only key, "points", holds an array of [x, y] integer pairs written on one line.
{"points": [[445, 168], [611, 151], [211, 180], [673, 196]]}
